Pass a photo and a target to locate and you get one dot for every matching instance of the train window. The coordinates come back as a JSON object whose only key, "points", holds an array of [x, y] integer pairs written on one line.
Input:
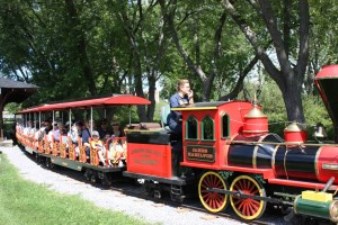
{"points": [[191, 128], [207, 128], [225, 126]]}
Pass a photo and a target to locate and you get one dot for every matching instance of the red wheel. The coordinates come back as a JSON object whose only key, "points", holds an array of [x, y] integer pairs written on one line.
{"points": [[247, 208], [212, 201]]}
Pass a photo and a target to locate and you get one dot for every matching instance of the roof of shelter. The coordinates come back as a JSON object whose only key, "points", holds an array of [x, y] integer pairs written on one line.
{"points": [[15, 91], [6, 83]]}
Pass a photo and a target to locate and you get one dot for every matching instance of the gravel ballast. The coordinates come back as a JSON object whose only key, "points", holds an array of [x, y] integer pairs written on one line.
{"points": [[110, 199]]}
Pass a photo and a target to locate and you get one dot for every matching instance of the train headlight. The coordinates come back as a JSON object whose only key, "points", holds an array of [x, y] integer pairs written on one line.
{"points": [[334, 211]]}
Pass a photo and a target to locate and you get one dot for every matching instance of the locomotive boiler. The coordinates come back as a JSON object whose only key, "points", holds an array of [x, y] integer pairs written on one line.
{"points": [[288, 161]]}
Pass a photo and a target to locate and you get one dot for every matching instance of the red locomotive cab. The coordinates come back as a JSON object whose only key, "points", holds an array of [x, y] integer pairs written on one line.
{"points": [[327, 82], [294, 134], [255, 122]]}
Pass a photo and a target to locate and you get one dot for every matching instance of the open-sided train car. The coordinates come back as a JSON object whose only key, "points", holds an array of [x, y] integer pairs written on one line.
{"points": [[62, 152]]}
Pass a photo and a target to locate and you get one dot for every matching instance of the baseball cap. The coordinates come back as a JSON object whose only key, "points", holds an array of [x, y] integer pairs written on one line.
{"points": [[95, 133]]}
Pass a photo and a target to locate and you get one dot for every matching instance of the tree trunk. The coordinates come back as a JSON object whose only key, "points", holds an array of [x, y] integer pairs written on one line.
{"points": [[81, 47], [293, 102], [151, 97], [141, 111], [206, 78], [289, 78]]}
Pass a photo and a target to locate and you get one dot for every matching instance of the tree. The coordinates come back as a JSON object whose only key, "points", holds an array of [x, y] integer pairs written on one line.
{"points": [[323, 43], [80, 45], [289, 76], [143, 29], [62, 47], [208, 57]]}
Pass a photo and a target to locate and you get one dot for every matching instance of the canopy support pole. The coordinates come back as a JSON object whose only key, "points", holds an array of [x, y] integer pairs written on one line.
{"points": [[91, 119], [35, 120], [53, 120], [70, 119], [40, 125]]}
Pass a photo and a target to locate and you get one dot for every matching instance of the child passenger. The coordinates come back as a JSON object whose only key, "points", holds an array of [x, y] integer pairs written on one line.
{"points": [[117, 152], [96, 143]]}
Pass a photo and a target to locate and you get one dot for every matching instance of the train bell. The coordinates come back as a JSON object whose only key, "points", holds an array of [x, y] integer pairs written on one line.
{"points": [[294, 134], [320, 132]]}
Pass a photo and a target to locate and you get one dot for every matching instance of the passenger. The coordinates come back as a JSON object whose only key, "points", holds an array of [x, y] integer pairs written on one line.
{"points": [[31, 135], [48, 126], [31, 131], [31, 138], [117, 152], [182, 98], [96, 143], [74, 134], [85, 136], [40, 133], [57, 131], [50, 136], [27, 129], [67, 127], [103, 130], [89, 124], [117, 130], [63, 136]]}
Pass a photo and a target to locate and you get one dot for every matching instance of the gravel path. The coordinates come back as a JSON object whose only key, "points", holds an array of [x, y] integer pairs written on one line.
{"points": [[111, 199]]}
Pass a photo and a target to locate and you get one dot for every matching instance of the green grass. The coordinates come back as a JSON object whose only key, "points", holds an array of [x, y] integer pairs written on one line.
{"points": [[24, 203]]}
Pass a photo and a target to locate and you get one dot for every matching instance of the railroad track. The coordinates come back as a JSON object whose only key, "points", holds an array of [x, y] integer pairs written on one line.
{"points": [[130, 187], [135, 190]]}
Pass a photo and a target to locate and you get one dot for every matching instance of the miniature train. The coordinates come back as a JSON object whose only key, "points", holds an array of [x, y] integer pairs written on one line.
{"points": [[228, 154]]}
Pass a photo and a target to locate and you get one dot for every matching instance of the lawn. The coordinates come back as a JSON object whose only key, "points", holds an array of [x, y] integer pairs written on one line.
{"points": [[26, 203]]}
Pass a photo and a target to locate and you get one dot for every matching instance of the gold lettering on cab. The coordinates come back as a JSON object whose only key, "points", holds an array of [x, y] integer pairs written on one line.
{"points": [[201, 153], [142, 156]]}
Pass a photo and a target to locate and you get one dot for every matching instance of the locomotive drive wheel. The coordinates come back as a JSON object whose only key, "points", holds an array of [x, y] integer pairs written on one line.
{"points": [[212, 201], [247, 208]]}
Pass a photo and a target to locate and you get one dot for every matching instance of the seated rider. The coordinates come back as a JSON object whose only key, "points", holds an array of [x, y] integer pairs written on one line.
{"points": [[96, 143], [103, 130], [182, 98], [73, 133], [85, 136], [117, 151]]}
